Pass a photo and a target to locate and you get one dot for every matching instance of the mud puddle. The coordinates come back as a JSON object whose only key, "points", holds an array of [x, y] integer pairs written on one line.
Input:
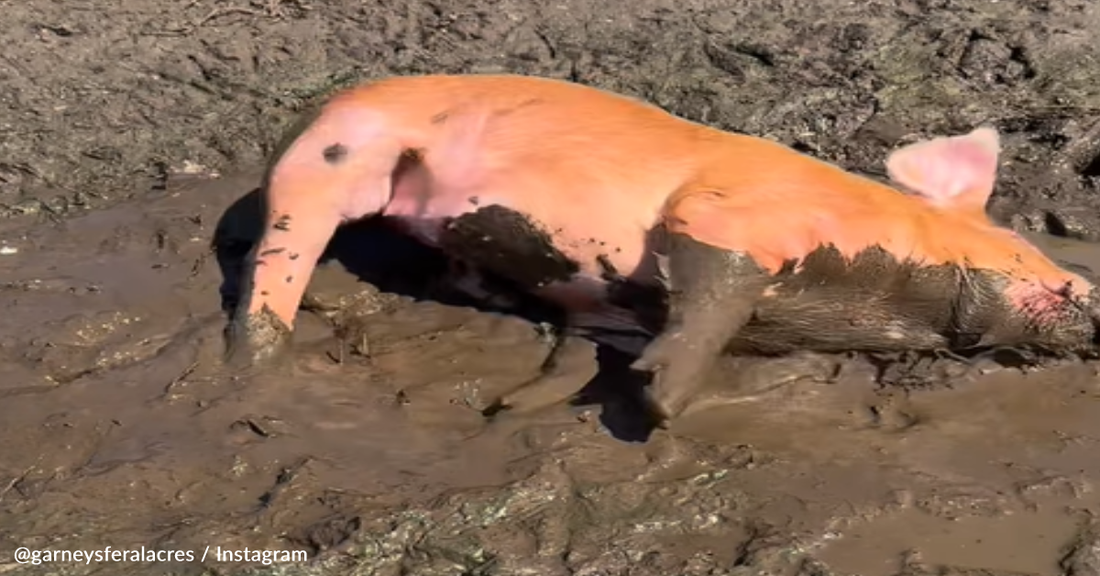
{"points": [[368, 452]]}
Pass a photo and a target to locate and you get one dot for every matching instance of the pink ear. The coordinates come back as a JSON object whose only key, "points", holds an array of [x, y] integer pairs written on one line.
{"points": [[951, 172]]}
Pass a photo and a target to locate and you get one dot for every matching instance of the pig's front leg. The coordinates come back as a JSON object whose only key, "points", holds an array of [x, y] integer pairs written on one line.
{"points": [[712, 294], [254, 338]]}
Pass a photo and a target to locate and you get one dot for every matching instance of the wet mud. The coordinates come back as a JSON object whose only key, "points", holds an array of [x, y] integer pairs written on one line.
{"points": [[128, 130]]}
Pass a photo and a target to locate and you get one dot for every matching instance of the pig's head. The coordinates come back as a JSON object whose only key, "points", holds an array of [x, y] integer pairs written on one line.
{"points": [[1013, 294]]}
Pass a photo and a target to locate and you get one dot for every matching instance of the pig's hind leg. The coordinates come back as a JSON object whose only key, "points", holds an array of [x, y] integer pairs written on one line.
{"points": [[712, 294], [567, 368]]}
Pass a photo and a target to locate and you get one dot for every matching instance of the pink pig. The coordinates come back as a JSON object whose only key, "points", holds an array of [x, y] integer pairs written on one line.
{"points": [[749, 246]]}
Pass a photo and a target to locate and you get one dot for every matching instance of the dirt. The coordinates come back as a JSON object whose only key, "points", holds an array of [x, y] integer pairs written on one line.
{"points": [[129, 128]]}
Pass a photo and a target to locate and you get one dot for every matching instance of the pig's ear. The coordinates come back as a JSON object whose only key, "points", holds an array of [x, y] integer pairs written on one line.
{"points": [[955, 172]]}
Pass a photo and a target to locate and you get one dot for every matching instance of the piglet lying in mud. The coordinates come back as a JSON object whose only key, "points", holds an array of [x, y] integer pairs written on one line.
{"points": [[575, 194]]}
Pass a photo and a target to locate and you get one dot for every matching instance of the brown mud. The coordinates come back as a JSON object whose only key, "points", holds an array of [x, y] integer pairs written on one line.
{"points": [[118, 427]]}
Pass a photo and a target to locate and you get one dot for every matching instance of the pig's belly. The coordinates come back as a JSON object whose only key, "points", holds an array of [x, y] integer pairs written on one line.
{"points": [[585, 302], [565, 266], [548, 249], [565, 272], [525, 232]]}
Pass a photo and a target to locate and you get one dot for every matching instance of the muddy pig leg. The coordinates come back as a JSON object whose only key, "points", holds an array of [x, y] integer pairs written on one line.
{"points": [[568, 367], [712, 295]]}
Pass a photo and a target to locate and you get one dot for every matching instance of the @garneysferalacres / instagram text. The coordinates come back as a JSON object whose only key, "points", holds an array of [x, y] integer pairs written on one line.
{"points": [[26, 555]]}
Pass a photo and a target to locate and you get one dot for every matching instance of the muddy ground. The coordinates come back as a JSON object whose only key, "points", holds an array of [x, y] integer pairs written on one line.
{"points": [[129, 127]]}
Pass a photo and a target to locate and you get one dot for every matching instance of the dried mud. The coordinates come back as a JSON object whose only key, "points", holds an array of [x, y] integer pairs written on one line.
{"points": [[119, 428]]}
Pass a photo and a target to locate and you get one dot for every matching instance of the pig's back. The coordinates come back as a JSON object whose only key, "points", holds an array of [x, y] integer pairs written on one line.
{"points": [[780, 205], [591, 167]]}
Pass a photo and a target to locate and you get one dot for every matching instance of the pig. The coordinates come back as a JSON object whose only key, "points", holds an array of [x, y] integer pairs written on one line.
{"points": [[623, 214]]}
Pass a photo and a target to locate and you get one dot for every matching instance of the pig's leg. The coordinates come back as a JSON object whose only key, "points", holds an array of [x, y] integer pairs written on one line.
{"points": [[569, 366], [712, 296]]}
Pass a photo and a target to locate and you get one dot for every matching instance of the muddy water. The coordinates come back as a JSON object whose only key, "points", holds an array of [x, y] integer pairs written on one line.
{"points": [[119, 428]]}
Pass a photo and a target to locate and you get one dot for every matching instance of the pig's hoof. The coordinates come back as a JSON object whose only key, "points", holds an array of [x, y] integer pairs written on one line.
{"points": [[256, 340], [660, 407], [666, 358], [658, 400]]}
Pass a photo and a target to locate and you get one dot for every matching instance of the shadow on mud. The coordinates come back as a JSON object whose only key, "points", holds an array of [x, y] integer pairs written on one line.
{"points": [[395, 263]]}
